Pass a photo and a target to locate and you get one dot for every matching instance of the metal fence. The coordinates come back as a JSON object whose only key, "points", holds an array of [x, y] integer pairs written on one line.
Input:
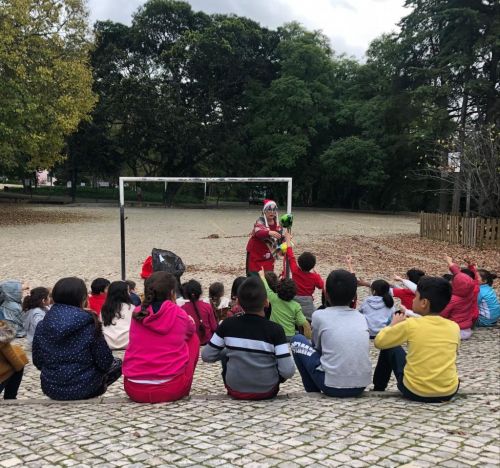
{"points": [[456, 229]]}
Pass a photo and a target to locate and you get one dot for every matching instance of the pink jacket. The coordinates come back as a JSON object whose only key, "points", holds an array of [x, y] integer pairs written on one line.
{"points": [[461, 307], [157, 347]]}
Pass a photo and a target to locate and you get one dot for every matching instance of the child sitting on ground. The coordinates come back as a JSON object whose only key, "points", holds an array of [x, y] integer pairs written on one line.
{"points": [[378, 308], [116, 315], [461, 306], [220, 304], [163, 348], [234, 304], [12, 362], [35, 306], [285, 310], [199, 311], [134, 297], [337, 363], [489, 308], [97, 296], [11, 310], [305, 278], [407, 294], [69, 348], [428, 373], [253, 351]]}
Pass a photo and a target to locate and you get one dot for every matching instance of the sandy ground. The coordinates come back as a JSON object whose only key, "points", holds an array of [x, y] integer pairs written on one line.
{"points": [[57, 245]]}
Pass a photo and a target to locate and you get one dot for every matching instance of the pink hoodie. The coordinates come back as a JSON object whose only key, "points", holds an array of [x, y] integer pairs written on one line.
{"points": [[157, 347]]}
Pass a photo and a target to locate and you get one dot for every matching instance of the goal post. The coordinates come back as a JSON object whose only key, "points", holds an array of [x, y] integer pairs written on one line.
{"points": [[196, 180]]}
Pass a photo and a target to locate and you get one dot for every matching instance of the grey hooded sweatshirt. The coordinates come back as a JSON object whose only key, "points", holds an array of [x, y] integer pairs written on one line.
{"points": [[11, 295], [377, 314]]}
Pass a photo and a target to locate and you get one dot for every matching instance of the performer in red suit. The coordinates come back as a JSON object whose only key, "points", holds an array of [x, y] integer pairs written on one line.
{"points": [[266, 236]]}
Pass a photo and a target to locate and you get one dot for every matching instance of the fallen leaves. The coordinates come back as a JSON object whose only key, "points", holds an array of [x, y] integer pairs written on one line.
{"points": [[16, 215]]}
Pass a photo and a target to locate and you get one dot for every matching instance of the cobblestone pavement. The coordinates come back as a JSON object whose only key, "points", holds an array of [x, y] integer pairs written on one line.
{"points": [[293, 430]]}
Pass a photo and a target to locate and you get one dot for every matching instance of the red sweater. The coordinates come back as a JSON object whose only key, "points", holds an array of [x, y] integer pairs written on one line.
{"points": [[461, 307], [306, 281], [405, 295], [207, 316], [96, 301]]}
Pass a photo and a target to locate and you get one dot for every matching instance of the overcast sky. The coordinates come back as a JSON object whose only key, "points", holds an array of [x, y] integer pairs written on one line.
{"points": [[350, 24]]}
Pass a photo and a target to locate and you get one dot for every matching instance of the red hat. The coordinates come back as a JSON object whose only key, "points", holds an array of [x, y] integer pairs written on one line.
{"points": [[269, 203]]}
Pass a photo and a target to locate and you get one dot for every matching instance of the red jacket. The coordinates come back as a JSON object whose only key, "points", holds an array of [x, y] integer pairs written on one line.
{"points": [[147, 268], [477, 288], [96, 302], [260, 247], [405, 295], [306, 281], [460, 308]]}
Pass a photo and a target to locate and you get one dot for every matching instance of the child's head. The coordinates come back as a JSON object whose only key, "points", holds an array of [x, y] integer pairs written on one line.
{"points": [[38, 297], [216, 290], [286, 289], [341, 288], [306, 261], [448, 277], [487, 277], [131, 285], [383, 289], [414, 275], [159, 287], [432, 295], [117, 295], [252, 295], [99, 285], [236, 284], [71, 291], [272, 280], [191, 290]]}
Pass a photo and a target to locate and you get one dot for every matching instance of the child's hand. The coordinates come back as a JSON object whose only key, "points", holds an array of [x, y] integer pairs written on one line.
{"points": [[448, 260], [398, 318], [403, 309], [469, 261], [262, 273], [274, 234], [397, 278]]}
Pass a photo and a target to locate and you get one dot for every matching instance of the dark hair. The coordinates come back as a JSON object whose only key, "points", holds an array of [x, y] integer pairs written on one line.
{"points": [[306, 261], [468, 272], [117, 295], [252, 295], [131, 284], [192, 291], [272, 280], [436, 290], [35, 298], [414, 275], [157, 288], [236, 284], [383, 289], [287, 289], [216, 290], [70, 291], [341, 287], [99, 285], [448, 277], [487, 276]]}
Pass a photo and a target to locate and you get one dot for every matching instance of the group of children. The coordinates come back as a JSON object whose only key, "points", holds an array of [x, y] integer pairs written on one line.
{"points": [[267, 329]]}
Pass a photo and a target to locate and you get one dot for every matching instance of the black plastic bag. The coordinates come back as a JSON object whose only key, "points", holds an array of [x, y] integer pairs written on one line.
{"points": [[165, 260]]}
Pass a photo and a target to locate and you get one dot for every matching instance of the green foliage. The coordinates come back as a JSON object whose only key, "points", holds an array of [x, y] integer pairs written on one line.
{"points": [[44, 77]]}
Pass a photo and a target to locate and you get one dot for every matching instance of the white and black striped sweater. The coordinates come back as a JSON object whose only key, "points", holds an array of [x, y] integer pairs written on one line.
{"points": [[256, 352]]}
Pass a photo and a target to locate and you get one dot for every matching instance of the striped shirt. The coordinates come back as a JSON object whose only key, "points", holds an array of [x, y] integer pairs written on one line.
{"points": [[256, 352]]}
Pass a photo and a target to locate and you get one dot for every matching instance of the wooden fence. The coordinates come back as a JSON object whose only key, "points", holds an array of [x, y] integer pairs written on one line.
{"points": [[456, 229]]}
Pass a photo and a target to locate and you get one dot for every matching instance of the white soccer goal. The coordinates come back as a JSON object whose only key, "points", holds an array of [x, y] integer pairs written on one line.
{"points": [[196, 180]]}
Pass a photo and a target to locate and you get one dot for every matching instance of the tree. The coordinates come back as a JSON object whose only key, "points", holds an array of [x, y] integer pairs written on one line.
{"points": [[45, 79]]}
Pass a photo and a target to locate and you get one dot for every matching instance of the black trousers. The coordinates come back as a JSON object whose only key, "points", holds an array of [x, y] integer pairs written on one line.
{"points": [[11, 385], [394, 360]]}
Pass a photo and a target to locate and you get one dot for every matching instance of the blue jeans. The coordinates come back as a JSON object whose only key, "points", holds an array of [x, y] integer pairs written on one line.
{"points": [[307, 360]]}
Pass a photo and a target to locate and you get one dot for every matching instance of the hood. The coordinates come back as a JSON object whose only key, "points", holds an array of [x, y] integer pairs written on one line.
{"points": [[7, 334], [376, 302], [63, 320], [462, 285], [11, 291], [162, 321]]}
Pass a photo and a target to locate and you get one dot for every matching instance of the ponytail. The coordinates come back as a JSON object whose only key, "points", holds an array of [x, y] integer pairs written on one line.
{"points": [[35, 298], [157, 288], [192, 291], [383, 289]]}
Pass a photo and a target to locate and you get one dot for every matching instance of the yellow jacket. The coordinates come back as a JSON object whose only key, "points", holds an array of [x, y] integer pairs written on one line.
{"points": [[433, 343], [12, 357]]}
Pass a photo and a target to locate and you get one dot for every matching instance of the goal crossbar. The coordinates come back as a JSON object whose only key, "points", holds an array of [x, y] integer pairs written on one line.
{"points": [[201, 180]]}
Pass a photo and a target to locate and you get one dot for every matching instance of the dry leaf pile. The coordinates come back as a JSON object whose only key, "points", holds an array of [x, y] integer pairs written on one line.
{"points": [[16, 215]]}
